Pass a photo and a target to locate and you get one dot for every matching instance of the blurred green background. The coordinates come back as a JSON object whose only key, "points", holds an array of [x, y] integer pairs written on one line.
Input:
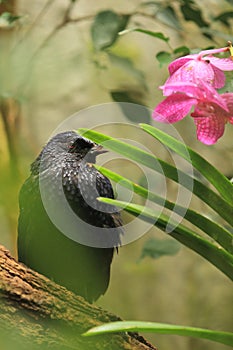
{"points": [[49, 70]]}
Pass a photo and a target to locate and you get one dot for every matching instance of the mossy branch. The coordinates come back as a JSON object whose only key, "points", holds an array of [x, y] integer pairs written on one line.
{"points": [[36, 313]]}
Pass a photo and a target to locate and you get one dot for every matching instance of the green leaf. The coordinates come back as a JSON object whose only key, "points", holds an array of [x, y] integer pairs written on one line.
{"points": [[134, 153], [181, 50], [218, 257], [105, 28], [212, 229], [167, 15], [9, 17], [132, 107], [217, 34], [225, 18], [157, 35], [162, 328], [155, 248], [192, 13], [163, 57], [217, 179]]}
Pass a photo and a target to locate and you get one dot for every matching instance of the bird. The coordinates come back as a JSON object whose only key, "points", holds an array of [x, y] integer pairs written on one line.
{"points": [[80, 260]]}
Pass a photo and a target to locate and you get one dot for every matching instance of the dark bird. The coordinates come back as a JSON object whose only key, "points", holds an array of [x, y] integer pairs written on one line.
{"points": [[74, 253]]}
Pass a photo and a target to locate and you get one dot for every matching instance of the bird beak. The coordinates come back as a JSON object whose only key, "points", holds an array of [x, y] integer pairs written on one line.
{"points": [[98, 149]]}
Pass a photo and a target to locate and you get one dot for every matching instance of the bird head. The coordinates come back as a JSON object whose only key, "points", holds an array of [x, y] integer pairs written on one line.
{"points": [[71, 142], [64, 144]]}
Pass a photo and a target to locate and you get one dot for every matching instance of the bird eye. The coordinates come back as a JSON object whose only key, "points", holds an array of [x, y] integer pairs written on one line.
{"points": [[80, 145], [72, 147]]}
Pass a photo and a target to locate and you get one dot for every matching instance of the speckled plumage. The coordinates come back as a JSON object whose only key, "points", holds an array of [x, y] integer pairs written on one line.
{"points": [[67, 159]]}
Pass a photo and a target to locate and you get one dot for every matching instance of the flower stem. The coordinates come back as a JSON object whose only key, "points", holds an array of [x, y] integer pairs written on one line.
{"points": [[213, 51], [230, 49]]}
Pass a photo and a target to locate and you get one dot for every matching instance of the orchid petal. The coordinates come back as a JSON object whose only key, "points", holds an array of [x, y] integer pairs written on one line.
{"points": [[179, 62], [198, 71], [173, 108], [201, 71], [219, 78], [193, 81], [209, 130], [228, 98], [201, 91], [192, 71], [225, 64], [189, 89]]}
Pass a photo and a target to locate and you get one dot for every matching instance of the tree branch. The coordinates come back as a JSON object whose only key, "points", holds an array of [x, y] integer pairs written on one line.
{"points": [[37, 313]]}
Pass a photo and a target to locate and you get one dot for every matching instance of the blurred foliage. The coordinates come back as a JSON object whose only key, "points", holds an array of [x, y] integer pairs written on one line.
{"points": [[105, 28], [8, 19], [156, 248]]}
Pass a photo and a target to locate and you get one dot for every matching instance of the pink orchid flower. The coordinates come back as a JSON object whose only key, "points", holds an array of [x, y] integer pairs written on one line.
{"points": [[200, 67], [212, 110], [210, 119]]}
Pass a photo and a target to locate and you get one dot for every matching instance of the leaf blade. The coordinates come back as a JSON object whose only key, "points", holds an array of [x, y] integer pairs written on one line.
{"points": [[220, 258], [105, 28], [134, 153], [158, 35], [212, 229], [218, 180], [162, 328]]}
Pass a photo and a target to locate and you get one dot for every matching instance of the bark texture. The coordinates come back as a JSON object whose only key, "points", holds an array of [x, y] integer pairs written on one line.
{"points": [[36, 313]]}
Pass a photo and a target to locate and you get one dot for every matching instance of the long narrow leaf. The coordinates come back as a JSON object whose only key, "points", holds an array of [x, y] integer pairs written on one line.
{"points": [[162, 328], [158, 35], [217, 179], [218, 233], [134, 153], [218, 257]]}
